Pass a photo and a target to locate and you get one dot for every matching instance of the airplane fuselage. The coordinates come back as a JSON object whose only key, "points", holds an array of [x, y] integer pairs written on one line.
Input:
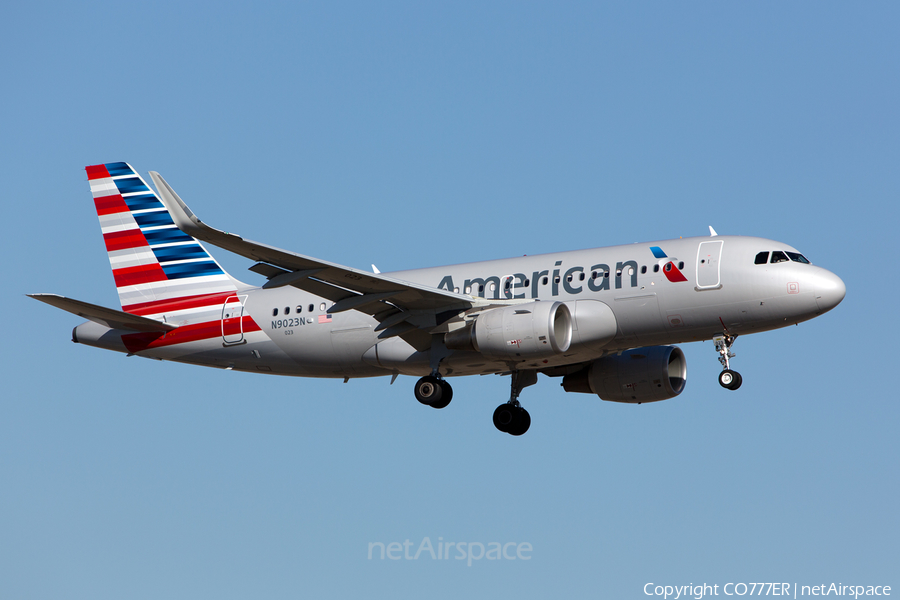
{"points": [[604, 320], [664, 292]]}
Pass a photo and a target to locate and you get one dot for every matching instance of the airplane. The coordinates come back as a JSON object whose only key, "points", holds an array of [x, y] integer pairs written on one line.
{"points": [[603, 320]]}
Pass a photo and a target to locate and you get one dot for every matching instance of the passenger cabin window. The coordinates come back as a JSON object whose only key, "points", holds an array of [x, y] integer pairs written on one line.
{"points": [[778, 257], [761, 258], [656, 268], [681, 265], [274, 312], [287, 310], [794, 256], [300, 308], [643, 269], [312, 307]]}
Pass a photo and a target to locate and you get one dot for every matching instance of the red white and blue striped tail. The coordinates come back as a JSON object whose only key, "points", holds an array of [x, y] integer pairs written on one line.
{"points": [[157, 267]]}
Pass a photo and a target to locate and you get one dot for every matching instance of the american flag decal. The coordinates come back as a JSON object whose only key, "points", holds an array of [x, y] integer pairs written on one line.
{"points": [[324, 318]]}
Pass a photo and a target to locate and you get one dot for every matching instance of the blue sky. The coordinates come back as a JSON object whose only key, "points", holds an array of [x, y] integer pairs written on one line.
{"points": [[411, 135]]}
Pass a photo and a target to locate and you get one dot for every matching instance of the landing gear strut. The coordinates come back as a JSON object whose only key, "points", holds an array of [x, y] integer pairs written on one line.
{"points": [[728, 379], [433, 392], [510, 417]]}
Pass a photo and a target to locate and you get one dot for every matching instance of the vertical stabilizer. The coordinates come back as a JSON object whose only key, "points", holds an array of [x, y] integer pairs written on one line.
{"points": [[157, 267]]}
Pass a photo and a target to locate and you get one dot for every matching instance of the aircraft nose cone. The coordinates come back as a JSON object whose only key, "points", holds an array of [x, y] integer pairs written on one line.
{"points": [[830, 290]]}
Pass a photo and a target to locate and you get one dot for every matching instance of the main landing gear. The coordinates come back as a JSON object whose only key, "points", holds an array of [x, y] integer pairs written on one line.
{"points": [[433, 391], [728, 379], [510, 417]]}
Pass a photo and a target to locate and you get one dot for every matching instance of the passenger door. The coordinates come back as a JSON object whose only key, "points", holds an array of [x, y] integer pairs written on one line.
{"points": [[709, 255], [233, 320]]}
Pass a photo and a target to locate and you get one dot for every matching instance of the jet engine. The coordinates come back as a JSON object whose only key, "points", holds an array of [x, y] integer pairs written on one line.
{"points": [[519, 332], [593, 325], [640, 375]]}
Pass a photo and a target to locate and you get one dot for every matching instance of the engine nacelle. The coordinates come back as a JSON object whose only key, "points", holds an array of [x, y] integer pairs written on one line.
{"points": [[519, 332], [640, 375], [593, 324]]}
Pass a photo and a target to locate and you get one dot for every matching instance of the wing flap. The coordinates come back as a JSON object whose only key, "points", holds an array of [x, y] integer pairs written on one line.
{"points": [[278, 277]]}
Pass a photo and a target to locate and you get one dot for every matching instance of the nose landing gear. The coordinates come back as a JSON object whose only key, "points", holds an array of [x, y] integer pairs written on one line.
{"points": [[728, 379]]}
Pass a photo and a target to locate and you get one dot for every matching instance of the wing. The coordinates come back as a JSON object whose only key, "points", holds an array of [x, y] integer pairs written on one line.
{"points": [[400, 306], [114, 319]]}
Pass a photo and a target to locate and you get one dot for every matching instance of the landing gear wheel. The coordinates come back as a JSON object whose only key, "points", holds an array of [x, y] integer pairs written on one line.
{"points": [[726, 378], [429, 390], [512, 419], [446, 395], [730, 380], [521, 422], [504, 417]]}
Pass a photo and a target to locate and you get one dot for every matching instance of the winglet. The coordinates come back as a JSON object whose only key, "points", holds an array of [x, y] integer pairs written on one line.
{"points": [[712, 232], [184, 218], [188, 222]]}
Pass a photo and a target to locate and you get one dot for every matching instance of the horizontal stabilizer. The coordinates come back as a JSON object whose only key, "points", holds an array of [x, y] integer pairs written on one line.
{"points": [[114, 319]]}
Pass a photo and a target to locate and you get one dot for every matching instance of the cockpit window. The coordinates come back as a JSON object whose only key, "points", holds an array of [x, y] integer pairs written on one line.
{"points": [[761, 258], [797, 257], [778, 256]]}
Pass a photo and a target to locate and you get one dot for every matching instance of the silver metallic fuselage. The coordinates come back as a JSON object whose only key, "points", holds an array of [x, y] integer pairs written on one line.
{"points": [[724, 292]]}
